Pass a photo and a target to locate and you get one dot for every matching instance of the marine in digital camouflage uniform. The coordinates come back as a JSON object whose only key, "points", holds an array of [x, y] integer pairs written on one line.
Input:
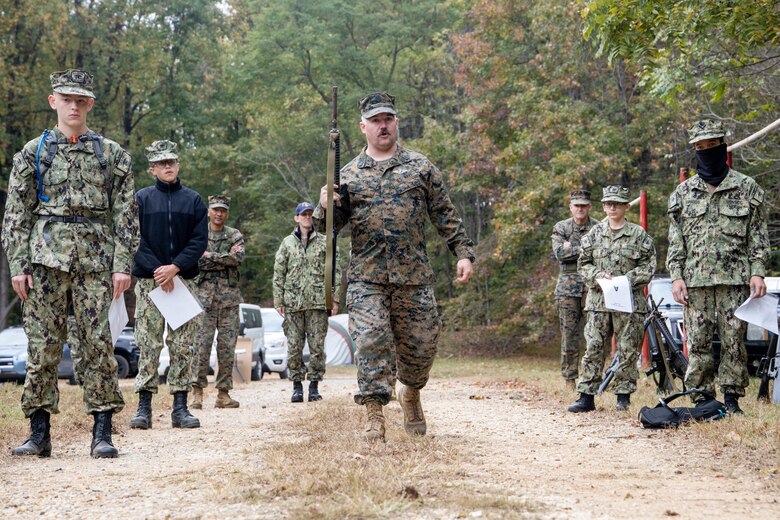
{"points": [[299, 296], [388, 194], [610, 249], [570, 291], [70, 224], [174, 232], [219, 293], [718, 248]]}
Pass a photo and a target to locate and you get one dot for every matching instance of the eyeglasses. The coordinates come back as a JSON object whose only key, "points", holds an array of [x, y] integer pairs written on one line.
{"points": [[165, 163], [612, 204]]}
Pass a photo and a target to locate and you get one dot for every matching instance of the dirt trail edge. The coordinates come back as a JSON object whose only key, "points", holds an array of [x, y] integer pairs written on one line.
{"points": [[521, 444]]}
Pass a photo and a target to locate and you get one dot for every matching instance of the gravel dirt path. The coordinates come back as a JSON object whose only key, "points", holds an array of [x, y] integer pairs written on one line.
{"points": [[520, 444]]}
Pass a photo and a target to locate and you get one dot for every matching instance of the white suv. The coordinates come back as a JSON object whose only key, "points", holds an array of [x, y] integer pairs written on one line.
{"points": [[275, 351]]}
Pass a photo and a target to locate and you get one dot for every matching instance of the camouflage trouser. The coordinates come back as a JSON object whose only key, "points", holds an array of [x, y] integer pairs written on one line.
{"points": [[707, 308], [298, 327], [629, 331], [572, 320], [75, 351], [149, 329], [220, 305], [392, 325], [45, 315]]}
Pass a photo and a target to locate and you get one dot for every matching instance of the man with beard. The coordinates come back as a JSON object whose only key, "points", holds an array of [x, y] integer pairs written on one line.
{"points": [[718, 248], [388, 193]]}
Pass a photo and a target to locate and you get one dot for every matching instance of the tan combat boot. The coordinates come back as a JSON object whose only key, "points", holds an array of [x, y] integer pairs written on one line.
{"points": [[197, 398], [225, 401], [414, 420], [376, 422]]}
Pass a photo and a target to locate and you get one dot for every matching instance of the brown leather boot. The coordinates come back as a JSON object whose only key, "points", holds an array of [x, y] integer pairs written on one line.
{"points": [[225, 401], [414, 420], [376, 422], [197, 398]]}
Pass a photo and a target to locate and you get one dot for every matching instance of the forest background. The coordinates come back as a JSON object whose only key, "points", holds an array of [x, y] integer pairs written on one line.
{"points": [[517, 101]]}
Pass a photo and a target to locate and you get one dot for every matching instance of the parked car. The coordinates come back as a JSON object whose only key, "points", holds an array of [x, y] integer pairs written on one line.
{"points": [[251, 326], [274, 355], [13, 356], [126, 352], [250, 321], [756, 338]]}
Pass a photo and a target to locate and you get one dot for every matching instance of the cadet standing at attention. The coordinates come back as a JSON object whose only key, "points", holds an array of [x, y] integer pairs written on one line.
{"points": [[570, 291], [390, 194], [299, 296], [174, 235], [70, 224], [718, 249], [220, 295], [613, 248]]}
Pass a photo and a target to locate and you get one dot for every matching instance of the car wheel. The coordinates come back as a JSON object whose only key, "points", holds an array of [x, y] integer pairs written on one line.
{"points": [[257, 372], [72, 380], [164, 377], [284, 374], [123, 366]]}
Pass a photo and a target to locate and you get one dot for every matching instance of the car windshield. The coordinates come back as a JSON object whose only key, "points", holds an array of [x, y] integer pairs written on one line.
{"points": [[662, 290], [13, 337], [272, 321]]}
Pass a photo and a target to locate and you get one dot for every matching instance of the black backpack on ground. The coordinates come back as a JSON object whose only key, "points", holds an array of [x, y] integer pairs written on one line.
{"points": [[663, 416]]}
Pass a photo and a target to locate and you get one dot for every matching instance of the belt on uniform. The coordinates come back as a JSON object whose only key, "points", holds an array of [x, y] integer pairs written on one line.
{"points": [[72, 219], [210, 275], [568, 268]]}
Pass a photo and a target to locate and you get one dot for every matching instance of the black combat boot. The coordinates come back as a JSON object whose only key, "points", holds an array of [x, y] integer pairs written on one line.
{"points": [[314, 393], [623, 402], [102, 447], [732, 404], [143, 417], [181, 416], [583, 404], [39, 442], [297, 395]]}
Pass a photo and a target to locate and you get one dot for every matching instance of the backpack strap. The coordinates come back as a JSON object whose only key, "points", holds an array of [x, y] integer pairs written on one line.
{"points": [[97, 146], [40, 169], [666, 400]]}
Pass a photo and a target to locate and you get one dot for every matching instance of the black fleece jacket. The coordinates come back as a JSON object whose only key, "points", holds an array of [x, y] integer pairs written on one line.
{"points": [[174, 229]]}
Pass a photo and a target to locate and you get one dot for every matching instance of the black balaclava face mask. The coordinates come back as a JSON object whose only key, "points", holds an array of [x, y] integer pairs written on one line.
{"points": [[711, 164]]}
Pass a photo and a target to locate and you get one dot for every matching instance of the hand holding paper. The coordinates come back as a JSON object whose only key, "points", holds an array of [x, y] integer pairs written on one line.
{"points": [[617, 293], [177, 306], [759, 311]]}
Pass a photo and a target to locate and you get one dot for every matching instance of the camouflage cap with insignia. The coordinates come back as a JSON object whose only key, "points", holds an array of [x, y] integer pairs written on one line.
{"points": [[705, 129], [615, 193], [161, 151], [581, 197], [219, 201], [377, 103], [72, 81]]}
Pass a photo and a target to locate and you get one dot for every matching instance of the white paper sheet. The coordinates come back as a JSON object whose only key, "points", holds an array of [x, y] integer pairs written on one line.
{"points": [[178, 306], [760, 311], [117, 318], [617, 293]]}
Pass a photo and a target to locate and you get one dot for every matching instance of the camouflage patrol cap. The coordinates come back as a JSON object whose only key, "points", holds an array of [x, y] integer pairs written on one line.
{"points": [[72, 81], [377, 103], [705, 129], [579, 197], [615, 193], [161, 151], [219, 201]]}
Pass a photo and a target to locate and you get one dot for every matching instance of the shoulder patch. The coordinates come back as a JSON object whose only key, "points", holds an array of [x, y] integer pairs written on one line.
{"points": [[586, 242], [20, 165], [124, 162], [647, 243], [757, 197], [675, 203]]}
